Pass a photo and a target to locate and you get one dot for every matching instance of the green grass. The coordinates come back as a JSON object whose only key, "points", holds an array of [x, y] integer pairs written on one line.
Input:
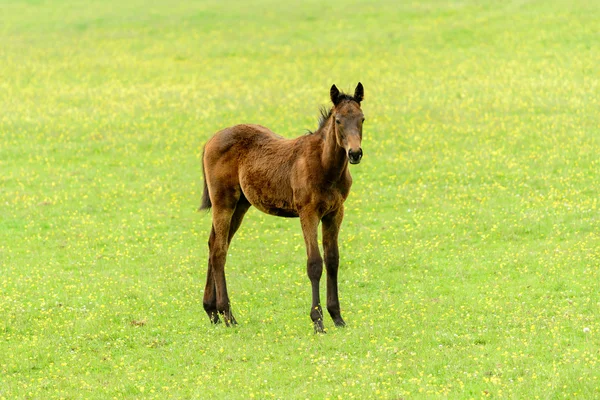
{"points": [[470, 250]]}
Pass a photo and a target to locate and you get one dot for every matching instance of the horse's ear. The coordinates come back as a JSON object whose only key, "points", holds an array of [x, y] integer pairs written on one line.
{"points": [[359, 93], [334, 93]]}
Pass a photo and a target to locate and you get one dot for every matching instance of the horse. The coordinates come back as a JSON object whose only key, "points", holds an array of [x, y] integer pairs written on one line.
{"points": [[306, 177]]}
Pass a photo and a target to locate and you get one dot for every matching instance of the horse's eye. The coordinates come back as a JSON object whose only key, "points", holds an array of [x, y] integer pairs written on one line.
{"points": [[363, 120], [337, 121]]}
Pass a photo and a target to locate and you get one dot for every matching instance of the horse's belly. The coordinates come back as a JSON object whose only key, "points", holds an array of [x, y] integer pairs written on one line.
{"points": [[274, 207], [280, 212], [270, 199]]}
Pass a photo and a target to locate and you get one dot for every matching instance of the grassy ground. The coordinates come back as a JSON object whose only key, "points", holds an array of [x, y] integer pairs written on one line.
{"points": [[471, 245]]}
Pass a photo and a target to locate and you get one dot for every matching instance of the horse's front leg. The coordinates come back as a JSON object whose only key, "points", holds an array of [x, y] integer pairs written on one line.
{"points": [[331, 228], [314, 266]]}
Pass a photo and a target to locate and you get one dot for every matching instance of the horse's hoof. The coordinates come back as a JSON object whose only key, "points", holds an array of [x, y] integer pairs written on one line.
{"points": [[319, 327], [214, 319], [339, 323], [230, 321]]}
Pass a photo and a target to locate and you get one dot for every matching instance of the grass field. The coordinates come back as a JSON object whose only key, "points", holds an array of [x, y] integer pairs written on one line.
{"points": [[470, 250]]}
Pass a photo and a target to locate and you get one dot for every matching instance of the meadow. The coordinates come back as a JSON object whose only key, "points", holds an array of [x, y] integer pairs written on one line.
{"points": [[470, 250]]}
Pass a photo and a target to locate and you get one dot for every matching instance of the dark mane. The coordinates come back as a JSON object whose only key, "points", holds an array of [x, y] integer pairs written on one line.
{"points": [[324, 116], [343, 96]]}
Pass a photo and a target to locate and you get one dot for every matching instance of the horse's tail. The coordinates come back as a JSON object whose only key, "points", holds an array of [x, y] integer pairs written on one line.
{"points": [[206, 204]]}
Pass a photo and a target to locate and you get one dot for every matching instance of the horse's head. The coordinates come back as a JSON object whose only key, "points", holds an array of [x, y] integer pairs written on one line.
{"points": [[348, 121]]}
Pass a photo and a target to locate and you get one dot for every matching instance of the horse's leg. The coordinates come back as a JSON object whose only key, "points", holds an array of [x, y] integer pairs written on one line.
{"points": [[210, 291], [314, 265], [223, 212], [238, 215], [331, 227]]}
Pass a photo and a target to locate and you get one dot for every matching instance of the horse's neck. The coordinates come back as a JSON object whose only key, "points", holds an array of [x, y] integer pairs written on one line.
{"points": [[333, 158]]}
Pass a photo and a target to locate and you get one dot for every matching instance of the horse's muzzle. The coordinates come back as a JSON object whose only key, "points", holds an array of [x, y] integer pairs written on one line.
{"points": [[355, 156]]}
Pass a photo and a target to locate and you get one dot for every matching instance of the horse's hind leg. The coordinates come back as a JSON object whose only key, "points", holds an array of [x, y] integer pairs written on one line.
{"points": [[238, 215], [210, 291], [225, 309], [226, 220]]}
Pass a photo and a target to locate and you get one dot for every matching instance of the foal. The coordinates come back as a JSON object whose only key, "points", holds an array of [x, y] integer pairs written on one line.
{"points": [[306, 177]]}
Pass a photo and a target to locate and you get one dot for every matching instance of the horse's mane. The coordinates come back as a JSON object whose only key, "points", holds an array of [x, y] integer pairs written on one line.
{"points": [[325, 114]]}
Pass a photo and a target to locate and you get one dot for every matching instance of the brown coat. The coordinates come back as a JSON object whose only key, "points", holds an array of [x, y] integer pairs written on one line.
{"points": [[306, 177]]}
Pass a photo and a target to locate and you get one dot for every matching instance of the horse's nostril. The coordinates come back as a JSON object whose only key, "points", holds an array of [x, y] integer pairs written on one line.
{"points": [[355, 156]]}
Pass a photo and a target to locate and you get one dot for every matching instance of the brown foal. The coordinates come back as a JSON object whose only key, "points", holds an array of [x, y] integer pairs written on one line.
{"points": [[306, 177]]}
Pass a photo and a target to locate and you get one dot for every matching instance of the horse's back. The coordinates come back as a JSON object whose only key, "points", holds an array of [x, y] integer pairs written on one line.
{"points": [[240, 139]]}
